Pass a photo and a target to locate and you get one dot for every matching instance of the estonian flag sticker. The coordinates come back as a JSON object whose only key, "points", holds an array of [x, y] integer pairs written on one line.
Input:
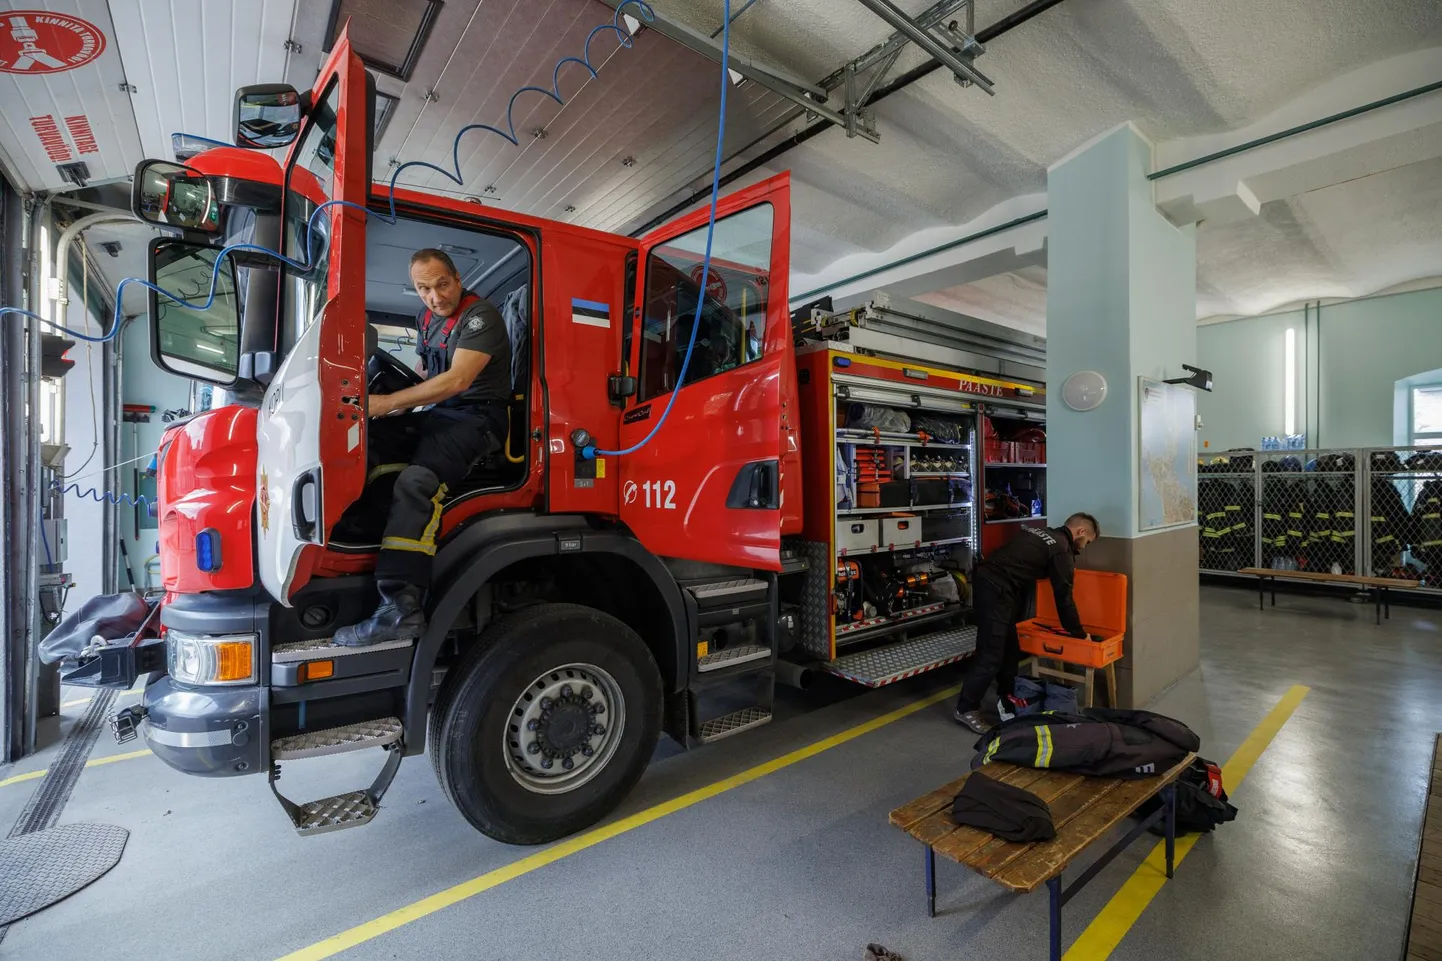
{"points": [[590, 313]]}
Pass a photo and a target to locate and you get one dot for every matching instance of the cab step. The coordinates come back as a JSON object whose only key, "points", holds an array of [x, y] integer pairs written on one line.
{"points": [[731, 656], [730, 592], [349, 809], [337, 740], [324, 647], [897, 661], [734, 723]]}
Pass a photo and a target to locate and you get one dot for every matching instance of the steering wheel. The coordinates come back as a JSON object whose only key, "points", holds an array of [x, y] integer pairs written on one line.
{"points": [[386, 375]]}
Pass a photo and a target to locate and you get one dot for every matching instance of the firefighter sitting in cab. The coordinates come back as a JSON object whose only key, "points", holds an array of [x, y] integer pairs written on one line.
{"points": [[466, 354]]}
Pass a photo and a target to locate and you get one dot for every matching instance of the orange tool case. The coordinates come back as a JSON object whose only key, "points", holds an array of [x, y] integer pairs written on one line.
{"points": [[1101, 600]]}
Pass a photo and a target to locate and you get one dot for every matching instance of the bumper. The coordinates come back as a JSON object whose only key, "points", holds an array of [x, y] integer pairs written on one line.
{"points": [[211, 732]]}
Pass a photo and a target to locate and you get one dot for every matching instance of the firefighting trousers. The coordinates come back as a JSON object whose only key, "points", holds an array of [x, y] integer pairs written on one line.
{"points": [[432, 451], [998, 652]]}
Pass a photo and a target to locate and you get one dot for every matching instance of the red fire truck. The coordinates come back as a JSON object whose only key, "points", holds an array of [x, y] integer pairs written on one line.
{"points": [[801, 507]]}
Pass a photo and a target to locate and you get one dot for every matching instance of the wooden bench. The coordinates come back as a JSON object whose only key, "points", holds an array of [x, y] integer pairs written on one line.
{"points": [[1376, 586], [1083, 809]]}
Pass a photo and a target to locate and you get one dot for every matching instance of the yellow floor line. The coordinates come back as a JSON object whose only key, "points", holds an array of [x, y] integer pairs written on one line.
{"points": [[443, 899], [33, 775], [83, 700], [1106, 931]]}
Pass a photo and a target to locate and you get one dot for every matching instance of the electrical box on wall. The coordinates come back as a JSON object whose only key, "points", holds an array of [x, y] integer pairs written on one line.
{"points": [[55, 541]]}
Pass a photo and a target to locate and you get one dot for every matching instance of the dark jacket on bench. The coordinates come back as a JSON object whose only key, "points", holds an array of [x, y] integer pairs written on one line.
{"points": [[1101, 742]]}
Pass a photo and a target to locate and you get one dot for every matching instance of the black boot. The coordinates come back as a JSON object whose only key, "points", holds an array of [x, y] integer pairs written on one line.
{"points": [[399, 616]]}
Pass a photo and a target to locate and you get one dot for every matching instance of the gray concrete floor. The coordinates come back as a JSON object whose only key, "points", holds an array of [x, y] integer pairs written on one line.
{"points": [[801, 864]]}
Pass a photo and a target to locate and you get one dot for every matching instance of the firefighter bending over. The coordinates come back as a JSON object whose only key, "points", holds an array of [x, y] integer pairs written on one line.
{"points": [[1001, 585], [466, 353]]}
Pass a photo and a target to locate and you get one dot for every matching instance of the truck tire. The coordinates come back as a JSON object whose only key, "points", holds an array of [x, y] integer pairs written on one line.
{"points": [[547, 723]]}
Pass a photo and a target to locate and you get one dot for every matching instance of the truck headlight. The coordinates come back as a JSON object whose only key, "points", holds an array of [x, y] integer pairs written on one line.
{"points": [[211, 658]]}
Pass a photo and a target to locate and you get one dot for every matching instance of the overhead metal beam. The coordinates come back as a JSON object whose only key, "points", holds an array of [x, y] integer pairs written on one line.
{"points": [[923, 38], [927, 19], [808, 95]]}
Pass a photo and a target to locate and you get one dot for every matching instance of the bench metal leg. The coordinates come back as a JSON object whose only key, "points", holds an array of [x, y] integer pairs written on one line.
{"points": [[1170, 799], [1387, 603], [1274, 590], [1053, 888], [1377, 601], [1261, 593], [930, 882]]}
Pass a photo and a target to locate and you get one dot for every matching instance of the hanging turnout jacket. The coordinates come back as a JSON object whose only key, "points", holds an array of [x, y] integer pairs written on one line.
{"points": [[1390, 521], [1101, 742]]}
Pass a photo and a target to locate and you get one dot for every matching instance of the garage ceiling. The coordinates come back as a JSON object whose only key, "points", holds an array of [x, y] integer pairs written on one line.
{"points": [[639, 138]]}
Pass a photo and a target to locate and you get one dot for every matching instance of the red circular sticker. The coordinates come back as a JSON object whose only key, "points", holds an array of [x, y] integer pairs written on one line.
{"points": [[37, 41]]}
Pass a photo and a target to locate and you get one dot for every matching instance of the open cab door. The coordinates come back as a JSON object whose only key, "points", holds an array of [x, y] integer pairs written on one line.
{"points": [[708, 486], [312, 422]]}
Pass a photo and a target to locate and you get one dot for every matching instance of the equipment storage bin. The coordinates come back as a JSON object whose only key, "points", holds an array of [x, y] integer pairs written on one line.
{"points": [[1101, 600], [933, 491], [895, 494], [942, 527], [901, 531], [856, 534]]}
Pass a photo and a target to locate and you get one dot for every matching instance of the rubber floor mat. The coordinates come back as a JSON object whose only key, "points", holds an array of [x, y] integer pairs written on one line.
{"points": [[38, 869]]}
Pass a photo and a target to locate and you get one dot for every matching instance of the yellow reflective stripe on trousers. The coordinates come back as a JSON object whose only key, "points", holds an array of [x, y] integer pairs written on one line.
{"points": [[429, 534], [408, 544], [427, 542], [991, 750]]}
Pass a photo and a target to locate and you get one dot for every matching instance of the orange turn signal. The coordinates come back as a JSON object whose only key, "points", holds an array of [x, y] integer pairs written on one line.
{"points": [[316, 670], [233, 660]]}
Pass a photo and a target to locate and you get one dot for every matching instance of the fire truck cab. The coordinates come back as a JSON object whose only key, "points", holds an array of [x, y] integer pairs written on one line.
{"points": [[570, 591]]}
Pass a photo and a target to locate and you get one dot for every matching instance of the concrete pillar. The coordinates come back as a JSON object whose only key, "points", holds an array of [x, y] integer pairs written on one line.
{"points": [[1121, 300]]}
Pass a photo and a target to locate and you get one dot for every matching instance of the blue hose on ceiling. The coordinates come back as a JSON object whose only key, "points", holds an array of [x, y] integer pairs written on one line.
{"points": [[590, 451]]}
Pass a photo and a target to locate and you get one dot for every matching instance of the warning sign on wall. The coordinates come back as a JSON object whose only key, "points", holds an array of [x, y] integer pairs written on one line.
{"points": [[37, 41]]}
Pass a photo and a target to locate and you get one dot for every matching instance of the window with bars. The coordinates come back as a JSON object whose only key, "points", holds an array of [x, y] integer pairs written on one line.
{"points": [[1426, 427]]}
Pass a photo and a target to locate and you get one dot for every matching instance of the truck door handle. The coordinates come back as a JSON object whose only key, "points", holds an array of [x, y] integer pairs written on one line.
{"points": [[305, 505], [755, 487]]}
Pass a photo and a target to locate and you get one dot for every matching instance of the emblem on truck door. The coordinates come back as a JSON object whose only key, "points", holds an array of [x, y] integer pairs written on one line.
{"points": [[264, 501]]}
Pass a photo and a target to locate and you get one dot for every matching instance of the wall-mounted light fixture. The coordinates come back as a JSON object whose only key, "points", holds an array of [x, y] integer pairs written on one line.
{"points": [[1200, 379]]}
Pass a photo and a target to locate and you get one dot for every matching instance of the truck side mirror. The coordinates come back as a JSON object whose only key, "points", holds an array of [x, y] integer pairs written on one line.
{"points": [[174, 195], [621, 387], [267, 115]]}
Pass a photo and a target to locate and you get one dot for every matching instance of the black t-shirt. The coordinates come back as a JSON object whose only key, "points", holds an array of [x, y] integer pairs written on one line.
{"points": [[480, 327]]}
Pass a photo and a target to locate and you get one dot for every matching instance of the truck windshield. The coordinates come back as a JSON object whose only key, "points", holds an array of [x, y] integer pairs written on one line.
{"points": [[310, 182]]}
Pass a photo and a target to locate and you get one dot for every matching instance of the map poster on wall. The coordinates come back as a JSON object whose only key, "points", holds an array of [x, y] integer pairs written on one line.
{"points": [[1167, 426]]}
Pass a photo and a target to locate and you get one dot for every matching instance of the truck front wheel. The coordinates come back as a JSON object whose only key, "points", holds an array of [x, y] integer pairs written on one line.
{"points": [[548, 724]]}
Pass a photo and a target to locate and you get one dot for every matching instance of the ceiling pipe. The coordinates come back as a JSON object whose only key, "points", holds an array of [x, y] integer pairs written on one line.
{"points": [[61, 263], [748, 5], [985, 35]]}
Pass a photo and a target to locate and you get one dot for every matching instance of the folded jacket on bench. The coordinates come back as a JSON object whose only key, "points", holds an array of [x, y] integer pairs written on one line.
{"points": [[1008, 812]]}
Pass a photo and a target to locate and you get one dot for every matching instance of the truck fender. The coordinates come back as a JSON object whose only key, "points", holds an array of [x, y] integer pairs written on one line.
{"points": [[474, 555]]}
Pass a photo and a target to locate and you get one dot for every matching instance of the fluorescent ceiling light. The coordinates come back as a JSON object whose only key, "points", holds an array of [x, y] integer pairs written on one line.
{"points": [[1289, 384], [213, 350]]}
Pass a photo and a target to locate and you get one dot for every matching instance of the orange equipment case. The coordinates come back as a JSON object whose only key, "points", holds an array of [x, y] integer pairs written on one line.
{"points": [[1101, 600]]}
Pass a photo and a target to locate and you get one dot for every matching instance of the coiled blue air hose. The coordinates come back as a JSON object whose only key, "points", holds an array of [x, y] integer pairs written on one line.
{"points": [[623, 35], [590, 451]]}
